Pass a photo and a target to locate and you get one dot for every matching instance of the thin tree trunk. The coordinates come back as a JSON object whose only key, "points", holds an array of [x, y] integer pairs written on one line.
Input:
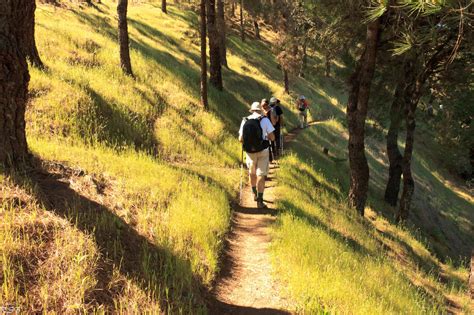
{"points": [[215, 68], [125, 63], [232, 9], [204, 101], [14, 80], [408, 182], [222, 32], [304, 61], [163, 6], [394, 156], [412, 95], [286, 81], [27, 37], [356, 115], [257, 29], [242, 31], [328, 66]]}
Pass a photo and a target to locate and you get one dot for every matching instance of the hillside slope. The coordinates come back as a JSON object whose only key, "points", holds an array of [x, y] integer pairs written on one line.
{"points": [[132, 205]]}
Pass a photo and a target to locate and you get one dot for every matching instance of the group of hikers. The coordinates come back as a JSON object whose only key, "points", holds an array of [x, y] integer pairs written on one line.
{"points": [[262, 139]]}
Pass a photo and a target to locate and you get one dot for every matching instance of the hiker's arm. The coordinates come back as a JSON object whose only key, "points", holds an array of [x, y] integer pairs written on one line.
{"points": [[274, 118], [271, 136], [282, 121], [241, 139]]}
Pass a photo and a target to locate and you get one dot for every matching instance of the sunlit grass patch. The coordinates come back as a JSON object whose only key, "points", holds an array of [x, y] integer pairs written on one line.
{"points": [[332, 260]]}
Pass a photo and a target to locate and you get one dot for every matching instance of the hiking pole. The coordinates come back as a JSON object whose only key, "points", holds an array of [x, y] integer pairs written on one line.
{"points": [[241, 174], [282, 139]]}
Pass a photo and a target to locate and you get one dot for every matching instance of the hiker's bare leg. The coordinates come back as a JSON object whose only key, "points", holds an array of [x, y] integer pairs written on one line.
{"points": [[253, 179], [261, 184]]}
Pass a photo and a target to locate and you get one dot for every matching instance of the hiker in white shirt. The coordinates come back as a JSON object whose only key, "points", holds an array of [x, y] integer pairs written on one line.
{"points": [[257, 152]]}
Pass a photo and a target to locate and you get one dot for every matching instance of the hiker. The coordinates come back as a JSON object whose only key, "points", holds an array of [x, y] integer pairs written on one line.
{"points": [[277, 122], [255, 132], [303, 107], [267, 112]]}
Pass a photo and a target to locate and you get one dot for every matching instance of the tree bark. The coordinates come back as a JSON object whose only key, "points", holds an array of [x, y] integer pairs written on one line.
{"points": [[356, 114], [286, 81], [242, 31], [412, 95], [328, 66], [215, 68], [408, 182], [163, 6], [27, 36], [125, 63], [394, 156], [204, 101], [232, 10], [304, 60], [14, 78], [222, 32], [257, 29]]}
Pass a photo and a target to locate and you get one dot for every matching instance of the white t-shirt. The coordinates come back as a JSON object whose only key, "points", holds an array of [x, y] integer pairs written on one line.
{"points": [[265, 123]]}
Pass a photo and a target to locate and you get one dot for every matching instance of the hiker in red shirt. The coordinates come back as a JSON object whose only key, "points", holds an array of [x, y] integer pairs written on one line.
{"points": [[303, 106]]}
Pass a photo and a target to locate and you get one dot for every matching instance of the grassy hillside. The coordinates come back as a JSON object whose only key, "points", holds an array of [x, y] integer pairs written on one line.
{"points": [[133, 203], [336, 262], [131, 211]]}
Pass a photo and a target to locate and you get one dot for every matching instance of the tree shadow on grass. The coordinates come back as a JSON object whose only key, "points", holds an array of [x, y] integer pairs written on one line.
{"points": [[150, 266]]}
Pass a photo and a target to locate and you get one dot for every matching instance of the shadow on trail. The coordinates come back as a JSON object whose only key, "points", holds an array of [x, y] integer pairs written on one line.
{"points": [[221, 308]]}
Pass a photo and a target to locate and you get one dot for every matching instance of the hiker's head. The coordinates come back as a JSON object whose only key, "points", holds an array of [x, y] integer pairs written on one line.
{"points": [[256, 108], [263, 102], [274, 101], [301, 98], [265, 107]]}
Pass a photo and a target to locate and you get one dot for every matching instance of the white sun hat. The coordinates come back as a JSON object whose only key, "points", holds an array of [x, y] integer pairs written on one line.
{"points": [[255, 107]]}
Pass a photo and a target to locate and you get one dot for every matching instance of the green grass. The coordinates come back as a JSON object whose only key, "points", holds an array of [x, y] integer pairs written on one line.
{"points": [[333, 261], [144, 163]]}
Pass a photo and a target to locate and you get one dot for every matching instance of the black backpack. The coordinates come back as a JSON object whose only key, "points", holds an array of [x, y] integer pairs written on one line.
{"points": [[252, 135]]}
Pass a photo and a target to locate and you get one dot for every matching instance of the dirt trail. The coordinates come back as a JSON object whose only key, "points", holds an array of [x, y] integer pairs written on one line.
{"points": [[246, 285]]}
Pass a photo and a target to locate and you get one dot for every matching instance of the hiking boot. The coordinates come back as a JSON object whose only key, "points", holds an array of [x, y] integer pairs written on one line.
{"points": [[261, 205], [255, 198]]}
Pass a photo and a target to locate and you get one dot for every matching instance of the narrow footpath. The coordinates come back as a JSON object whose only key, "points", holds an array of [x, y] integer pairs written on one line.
{"points": [[246, 284]]}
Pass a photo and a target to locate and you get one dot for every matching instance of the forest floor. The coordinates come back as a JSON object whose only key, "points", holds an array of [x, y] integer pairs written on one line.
{"points": [[246, 284]]}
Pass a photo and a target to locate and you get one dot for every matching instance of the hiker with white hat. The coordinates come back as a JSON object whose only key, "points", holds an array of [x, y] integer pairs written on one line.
{"points": [[303, 106], [255, 132]]}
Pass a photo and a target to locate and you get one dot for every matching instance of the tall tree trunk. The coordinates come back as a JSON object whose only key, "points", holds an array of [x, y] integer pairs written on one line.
{"points": [[408, 182], [286, 81], [204, 101], [257, 29], [304, 61], [125, 63], [14, 80], [215, 68], [356, 115], [412, 95], [328, 66], [163, 6], [242, 31], [232, 9], [27, 36], [222, 32], [394, 156]]}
